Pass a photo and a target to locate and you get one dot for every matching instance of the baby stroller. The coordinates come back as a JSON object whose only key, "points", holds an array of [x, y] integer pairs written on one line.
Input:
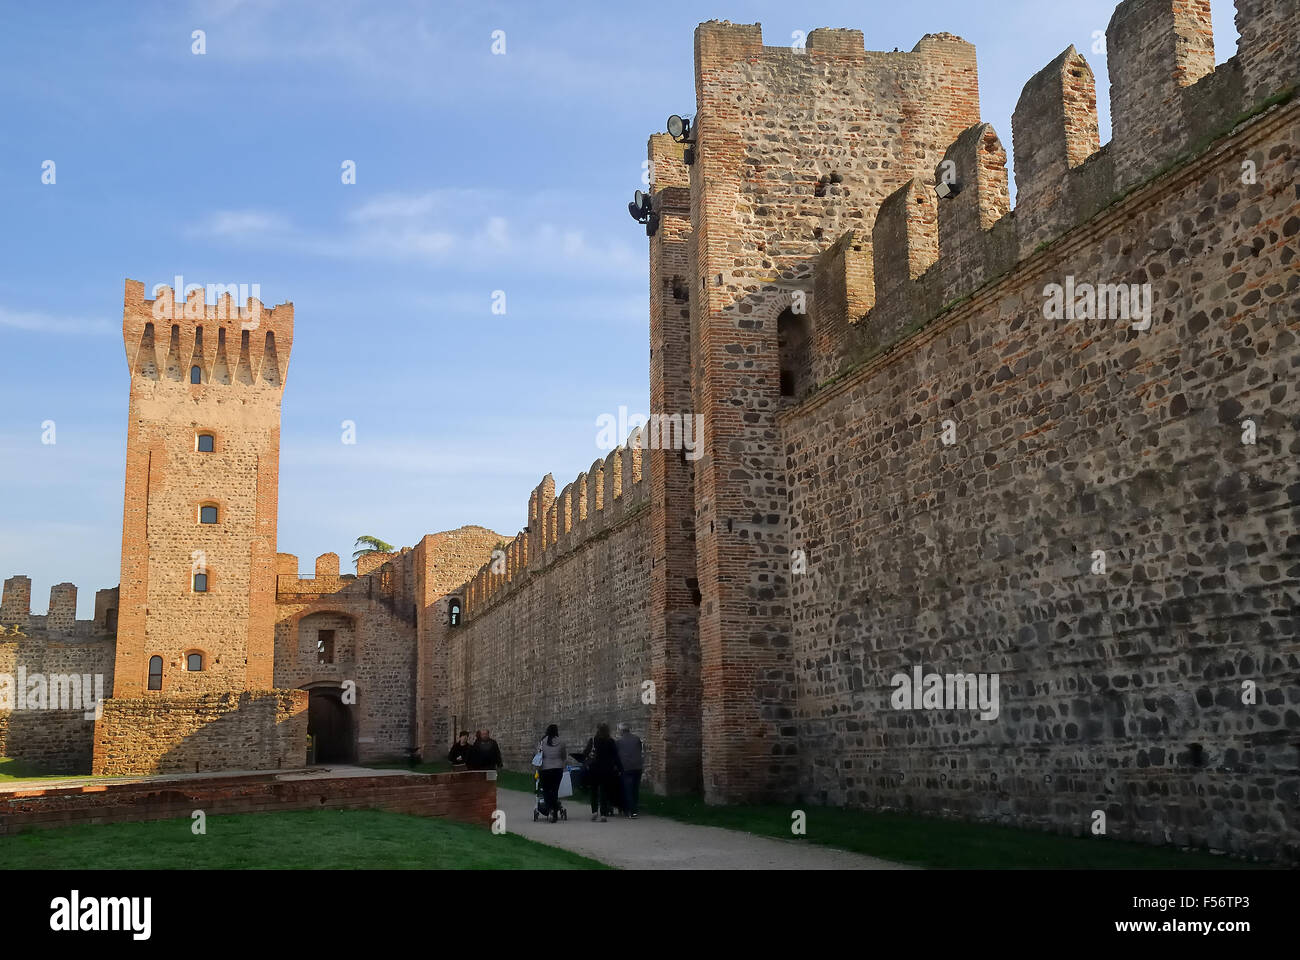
{"points": [[541, 810]]}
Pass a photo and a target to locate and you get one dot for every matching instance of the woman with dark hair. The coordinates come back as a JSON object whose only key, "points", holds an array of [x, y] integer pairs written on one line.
{"points": [[553, 752], [603, 769]]}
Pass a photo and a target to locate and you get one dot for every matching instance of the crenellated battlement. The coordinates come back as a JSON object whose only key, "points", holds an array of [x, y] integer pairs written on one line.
{"points": [[1168, 103], [599, 499], [17, 620], [718, 41], [291, 587], [230, 343]]}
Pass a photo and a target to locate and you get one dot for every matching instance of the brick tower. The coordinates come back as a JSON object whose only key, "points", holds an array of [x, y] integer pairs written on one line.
{"points": [[674, 728], [793, 148], [199, 528]]}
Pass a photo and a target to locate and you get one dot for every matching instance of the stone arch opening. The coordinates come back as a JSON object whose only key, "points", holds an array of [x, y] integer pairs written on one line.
{"points": [[794, 344], [326, 638], [330, 726]]}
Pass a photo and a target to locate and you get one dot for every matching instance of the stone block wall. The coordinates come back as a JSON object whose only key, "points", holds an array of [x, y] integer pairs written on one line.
{"points": [[250, 730], [373, 617], [52, 667], [793, 148], [566, 638], [1124, 689], [441, 562]]}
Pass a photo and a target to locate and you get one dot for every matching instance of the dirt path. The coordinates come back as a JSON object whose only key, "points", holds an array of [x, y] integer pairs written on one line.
{"points": [[656, 843]]}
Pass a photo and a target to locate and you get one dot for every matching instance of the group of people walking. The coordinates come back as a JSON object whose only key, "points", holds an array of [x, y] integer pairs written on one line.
{"points": [[483, 754], [611, 770], [610, 767]]}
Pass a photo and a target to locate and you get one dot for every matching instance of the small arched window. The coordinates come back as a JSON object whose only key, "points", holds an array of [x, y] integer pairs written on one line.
{"points": [[155, 673], [208, 513], [453, 611], [194, 662], [205, 443], [196, 375], [200, 583]]}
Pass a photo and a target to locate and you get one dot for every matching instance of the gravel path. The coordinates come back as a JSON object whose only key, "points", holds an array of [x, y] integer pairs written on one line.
{"points": [[655, 843]]}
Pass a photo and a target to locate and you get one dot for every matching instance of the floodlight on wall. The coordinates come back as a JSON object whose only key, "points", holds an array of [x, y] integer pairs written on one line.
{"points": [[945, 190], [641, 209], [679, 128]]}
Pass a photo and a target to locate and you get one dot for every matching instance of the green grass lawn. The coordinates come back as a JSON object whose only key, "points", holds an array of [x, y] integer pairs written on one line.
{"points": [[11, 769], [293, 840], [922, 841], [929, 842]]}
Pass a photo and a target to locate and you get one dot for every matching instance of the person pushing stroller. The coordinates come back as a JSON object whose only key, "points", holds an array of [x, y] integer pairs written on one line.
{"points": [[552, 751]]}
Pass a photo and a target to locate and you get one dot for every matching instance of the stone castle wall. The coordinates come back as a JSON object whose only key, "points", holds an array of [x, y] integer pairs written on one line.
{"points": [[1162, 691], [373, 619], [564, 637], [1122, 691], [258, 730], [793, 147], [908, 462], [34, 650], [1072, 437]]}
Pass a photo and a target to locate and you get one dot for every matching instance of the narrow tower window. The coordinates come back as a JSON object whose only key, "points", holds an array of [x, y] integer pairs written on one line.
{"points": [[325, 646], [155, 673], [208, 514], [200, 583], [194, 662], [196, 375], [793, 346], [453, 611], [206, 443]]}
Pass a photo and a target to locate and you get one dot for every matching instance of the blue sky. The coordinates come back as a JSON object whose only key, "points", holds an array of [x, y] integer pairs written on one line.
{"points": [[475, 173]]}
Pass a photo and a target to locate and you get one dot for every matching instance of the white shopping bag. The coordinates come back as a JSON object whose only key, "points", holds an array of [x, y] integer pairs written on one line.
{"points": [[566, 786]]}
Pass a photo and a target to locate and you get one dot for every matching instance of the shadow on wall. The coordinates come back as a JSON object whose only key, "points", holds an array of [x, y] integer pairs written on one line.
{"points": [[48, 741], [261, 730]]}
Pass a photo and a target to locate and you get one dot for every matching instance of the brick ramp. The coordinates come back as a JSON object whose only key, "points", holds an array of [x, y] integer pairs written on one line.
{"points": [[470, 797], [657, 843]]}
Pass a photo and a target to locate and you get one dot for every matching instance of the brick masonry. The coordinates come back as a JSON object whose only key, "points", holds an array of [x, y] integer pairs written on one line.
{"points": [[469, 797], [566, 638], [251, 730]]}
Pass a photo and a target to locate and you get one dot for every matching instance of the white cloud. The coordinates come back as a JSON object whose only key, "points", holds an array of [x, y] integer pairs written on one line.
{"points": [[228, 223], [406, 49], [433, 226]]}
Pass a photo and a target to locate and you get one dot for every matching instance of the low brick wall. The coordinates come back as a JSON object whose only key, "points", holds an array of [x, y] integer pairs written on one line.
{"points": [[470, 797], [257, 730]]}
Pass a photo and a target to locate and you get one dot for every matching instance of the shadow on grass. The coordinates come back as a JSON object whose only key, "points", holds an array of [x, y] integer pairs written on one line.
{"points": [[935, 843], [11, 769], [293, 840]]}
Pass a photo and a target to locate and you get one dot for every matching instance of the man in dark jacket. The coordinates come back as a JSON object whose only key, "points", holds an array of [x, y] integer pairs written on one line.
{"points": [[630, 758], [460, 751], [484, 754], [603, 769]]}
